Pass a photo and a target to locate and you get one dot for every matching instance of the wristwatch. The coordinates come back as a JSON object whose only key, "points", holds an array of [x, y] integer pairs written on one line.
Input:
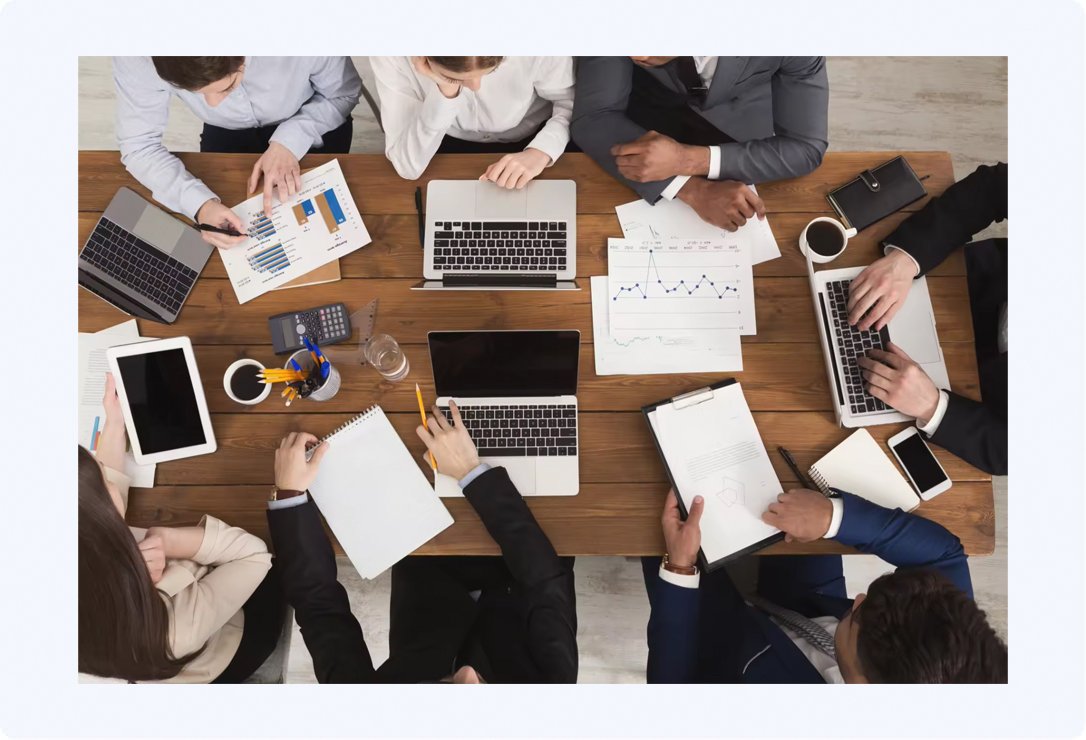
{"points": [[278, 494], [682, 570]]}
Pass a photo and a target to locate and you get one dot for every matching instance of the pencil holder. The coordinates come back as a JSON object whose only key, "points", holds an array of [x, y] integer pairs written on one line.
{"points": [[328, 387]]}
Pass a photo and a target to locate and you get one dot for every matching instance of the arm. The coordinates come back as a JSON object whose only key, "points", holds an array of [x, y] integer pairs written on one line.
{"points": [[673, 627], [554, 82], [114, 440], [973, 432], [336, 89]]}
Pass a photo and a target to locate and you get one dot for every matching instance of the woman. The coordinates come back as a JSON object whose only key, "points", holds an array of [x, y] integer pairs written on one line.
{"points": [[178, 604], [520, 105]]}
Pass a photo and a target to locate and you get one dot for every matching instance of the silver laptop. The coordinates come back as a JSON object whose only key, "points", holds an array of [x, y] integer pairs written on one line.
{"points": [[912, 329], [479, 236], [516, 395], [142, 260]]}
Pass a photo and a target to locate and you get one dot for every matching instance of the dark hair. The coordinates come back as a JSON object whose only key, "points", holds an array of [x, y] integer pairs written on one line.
{"points": [[466, 64], [194, 73], [123, 623], [915, 626]]}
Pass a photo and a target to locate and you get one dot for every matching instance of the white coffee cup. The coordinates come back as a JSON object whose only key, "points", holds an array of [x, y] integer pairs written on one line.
{"points": [[816, 256], [229, 374]]}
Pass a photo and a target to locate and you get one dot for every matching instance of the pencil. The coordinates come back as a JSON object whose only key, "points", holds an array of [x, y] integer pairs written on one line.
{"points": [[422, 413]]}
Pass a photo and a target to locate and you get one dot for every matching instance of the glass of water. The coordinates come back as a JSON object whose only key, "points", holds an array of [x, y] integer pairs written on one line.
{"points": [[387, 357]]}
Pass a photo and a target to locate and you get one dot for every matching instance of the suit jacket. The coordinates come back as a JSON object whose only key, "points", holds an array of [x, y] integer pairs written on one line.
{"points": [[774, 108], [694, 637], [974, 431], [547, 639]]}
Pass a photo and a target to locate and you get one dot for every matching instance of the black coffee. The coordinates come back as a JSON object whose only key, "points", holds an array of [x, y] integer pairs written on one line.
{"points": [[825, 238], [244, 384]]}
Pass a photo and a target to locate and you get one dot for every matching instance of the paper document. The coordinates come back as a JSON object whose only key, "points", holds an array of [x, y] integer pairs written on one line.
{"points": [[314, 227], [678, 286], [712, 350], [673, 219]]}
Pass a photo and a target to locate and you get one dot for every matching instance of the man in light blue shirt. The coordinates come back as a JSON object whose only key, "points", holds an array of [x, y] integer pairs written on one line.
{"points": [[282, 107]]}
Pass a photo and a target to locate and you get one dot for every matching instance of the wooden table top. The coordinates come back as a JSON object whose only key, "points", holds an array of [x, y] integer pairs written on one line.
{"points": [[623, 483]]}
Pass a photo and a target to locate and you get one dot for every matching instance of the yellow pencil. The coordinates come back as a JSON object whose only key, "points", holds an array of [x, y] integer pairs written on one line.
{"points": [[422, 413]]}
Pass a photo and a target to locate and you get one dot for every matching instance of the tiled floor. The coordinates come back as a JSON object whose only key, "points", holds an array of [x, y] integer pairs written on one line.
{"points": [[944, 103]]}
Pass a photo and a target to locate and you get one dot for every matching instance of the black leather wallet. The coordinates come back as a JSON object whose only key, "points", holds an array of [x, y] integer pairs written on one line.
{"points": [[877, 193]]}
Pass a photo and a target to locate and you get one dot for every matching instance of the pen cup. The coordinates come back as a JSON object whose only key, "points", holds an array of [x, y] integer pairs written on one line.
{"points": [[241, 384], [328, 387]]}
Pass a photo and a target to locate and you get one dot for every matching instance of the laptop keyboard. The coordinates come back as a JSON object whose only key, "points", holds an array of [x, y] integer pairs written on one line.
{"points": [[137, 265], [521, 430], [507, 246], [852, 344]]}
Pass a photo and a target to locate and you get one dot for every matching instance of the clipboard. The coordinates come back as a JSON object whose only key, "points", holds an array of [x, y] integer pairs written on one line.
{"points": [[683, 401]]}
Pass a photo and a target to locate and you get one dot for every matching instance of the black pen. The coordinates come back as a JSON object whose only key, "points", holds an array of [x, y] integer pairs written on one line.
{"points": [[422, 225], [217, 230], [803, 481]]}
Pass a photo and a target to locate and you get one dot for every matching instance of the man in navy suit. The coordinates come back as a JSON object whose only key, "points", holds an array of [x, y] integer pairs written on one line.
{"points": [[916, 625]]}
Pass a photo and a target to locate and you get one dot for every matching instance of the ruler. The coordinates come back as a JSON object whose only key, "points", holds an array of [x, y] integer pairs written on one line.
{"points": [[362, 321]]}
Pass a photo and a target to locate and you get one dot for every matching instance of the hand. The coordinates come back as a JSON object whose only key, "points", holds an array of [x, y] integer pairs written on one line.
{"points": [[802, 514], [516, 170], [726, 204], [280, 170], [893, 378], [292, 472], [447, 87], [655, 156], [112, 402], [682, 539], [154, 555], [214, 213], [880, 290], [451, 446]]}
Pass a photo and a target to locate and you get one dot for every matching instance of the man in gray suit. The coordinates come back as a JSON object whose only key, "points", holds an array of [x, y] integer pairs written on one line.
{"points": [[700, 128]]}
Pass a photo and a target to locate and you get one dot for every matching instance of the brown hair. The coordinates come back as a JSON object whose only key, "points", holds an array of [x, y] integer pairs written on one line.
{"points": [[466, 64], [915, 626], [194, 73], [123, 624]]}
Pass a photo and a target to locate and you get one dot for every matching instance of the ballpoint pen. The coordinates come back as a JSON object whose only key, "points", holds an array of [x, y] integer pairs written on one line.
{"points": [[803, 481], [422, 413], [217, 230]]}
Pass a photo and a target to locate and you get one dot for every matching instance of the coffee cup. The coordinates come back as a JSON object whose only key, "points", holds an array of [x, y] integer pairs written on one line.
{"points": [[825, 238], [242, 385]]}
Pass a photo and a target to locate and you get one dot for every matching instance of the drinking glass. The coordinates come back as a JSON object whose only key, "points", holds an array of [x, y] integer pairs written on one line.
{"points": [[387, 357]]}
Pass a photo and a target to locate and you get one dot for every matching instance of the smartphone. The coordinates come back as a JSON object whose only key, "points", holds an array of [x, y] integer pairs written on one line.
{"points": [[924, 471]]}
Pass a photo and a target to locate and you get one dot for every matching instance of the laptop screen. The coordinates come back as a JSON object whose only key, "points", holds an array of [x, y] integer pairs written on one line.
{"points": [[474, 364]]}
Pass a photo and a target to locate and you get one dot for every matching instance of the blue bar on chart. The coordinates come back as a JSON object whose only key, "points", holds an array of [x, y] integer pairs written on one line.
{"points": [[333, 204], [307, 207], [272, 259], [261, 227]]}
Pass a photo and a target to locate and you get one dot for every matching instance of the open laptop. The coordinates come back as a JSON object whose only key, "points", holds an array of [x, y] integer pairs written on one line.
{"points": [[142, 260], [479, 236], [912, 329], [515, 391]]}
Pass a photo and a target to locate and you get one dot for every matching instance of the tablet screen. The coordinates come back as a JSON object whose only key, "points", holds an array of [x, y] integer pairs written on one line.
{"points": [[161, 400]]}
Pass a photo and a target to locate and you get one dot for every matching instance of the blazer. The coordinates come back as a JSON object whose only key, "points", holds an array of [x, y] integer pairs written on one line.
{"points": [[690, 634], [544, 646], [775, 109], [974, 431]]}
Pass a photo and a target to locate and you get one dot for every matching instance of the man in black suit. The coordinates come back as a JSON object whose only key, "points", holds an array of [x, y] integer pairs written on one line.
{"points": [[508, 619], [974, 431]]}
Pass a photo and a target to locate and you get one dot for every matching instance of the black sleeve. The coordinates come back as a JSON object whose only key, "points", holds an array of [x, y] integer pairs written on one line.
{"points": [[308, 571], [974, 432], [951, 220], [545, 582]]}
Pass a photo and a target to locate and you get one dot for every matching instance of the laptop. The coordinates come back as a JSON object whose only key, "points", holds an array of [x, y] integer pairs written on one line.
{"points": [[479, 236], [516, 394], [912, 329], [142, 260]]}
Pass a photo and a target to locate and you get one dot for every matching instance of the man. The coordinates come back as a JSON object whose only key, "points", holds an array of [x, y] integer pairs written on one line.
{"points": [[916, 625], [461, 619], [701, 128], [974, 431], [282, 107]]}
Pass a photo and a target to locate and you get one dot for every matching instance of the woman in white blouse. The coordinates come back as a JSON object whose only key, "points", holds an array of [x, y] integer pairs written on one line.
{"points": [[520, 105]]}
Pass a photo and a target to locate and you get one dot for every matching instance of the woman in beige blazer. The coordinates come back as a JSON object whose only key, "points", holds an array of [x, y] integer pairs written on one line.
{"points": [[174, 604]]}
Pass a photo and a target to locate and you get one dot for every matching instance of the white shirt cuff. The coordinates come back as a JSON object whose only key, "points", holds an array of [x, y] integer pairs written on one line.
{"points": [[678, 579], [714, 163], [835, 518], [473, 474], [937, 417], [287, 503], [915, 263], [674, 187]]}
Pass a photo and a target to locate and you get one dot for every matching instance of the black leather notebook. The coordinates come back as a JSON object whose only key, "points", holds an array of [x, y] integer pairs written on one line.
{"points": [[876, 193]]}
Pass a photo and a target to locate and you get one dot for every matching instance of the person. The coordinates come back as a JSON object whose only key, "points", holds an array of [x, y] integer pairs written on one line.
{"points": [[508, 619], [918, 624], [519, 106], [278, 107], [702, 128], [973, 430], [169, 604]]}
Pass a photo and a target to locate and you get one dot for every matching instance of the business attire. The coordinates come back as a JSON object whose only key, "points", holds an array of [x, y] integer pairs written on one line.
{"points": [[975, 431], [512, 619], [701, 630], [763, 118], [303, 103], [525, 102]]}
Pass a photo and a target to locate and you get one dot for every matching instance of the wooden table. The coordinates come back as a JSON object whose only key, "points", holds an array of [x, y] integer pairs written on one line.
{"points": [[622, 481]]}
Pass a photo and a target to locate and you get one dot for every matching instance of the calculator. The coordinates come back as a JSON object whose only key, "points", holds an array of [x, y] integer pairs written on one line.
{"points": [[324, 325]]}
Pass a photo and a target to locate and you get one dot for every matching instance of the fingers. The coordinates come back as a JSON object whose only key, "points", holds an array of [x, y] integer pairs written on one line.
{"points": [[693, 517], [745, 208], [756, 203], [880, 393], [455, 413], [425, 435], [288, 441], [671, 507], [897, 362], [507, 172], [269, 185], [254, 178], [495, 170], [894, 349], [111, 384], [863, 303], [872, 365], [318, 453], [631, 147], [524, 179], [150, 542], [301, 439], [231, 220], [875, 314], [221, 241], [875, 380]]}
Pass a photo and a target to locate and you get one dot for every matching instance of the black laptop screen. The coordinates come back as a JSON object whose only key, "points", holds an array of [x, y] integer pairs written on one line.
{"points": [[473, 364]]}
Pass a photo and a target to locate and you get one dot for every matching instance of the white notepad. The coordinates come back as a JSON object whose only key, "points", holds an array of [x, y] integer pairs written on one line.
{"points": [[859, 466], [373, 495]]}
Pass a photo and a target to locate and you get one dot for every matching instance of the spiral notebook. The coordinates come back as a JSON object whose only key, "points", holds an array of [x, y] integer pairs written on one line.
{"points": [[859, 466], [373, 495]]}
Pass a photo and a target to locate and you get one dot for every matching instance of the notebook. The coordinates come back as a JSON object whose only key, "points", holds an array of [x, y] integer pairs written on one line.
{"points": [[328, 273], [373, 495], [859, 466]]}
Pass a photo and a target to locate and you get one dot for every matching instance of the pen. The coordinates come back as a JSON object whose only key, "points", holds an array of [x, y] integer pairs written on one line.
{"points": [[803, 481], [422, 413], [418, 209], [217, 230]]}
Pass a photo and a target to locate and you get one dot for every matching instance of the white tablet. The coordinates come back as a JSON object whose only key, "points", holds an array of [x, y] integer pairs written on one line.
{"points": [[162, 398]]}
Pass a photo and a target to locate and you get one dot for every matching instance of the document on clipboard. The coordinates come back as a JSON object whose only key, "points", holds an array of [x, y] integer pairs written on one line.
{"points": [[711, 448]]}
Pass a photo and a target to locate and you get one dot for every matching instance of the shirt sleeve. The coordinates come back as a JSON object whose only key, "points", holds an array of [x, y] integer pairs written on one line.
{"points": [[835, 518], [678, 579], [121, 481], [473, 474], [888, 247], [286, 503], [936, 418], [336, 90], [714, 163], [554, 82], [674, 187]]}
